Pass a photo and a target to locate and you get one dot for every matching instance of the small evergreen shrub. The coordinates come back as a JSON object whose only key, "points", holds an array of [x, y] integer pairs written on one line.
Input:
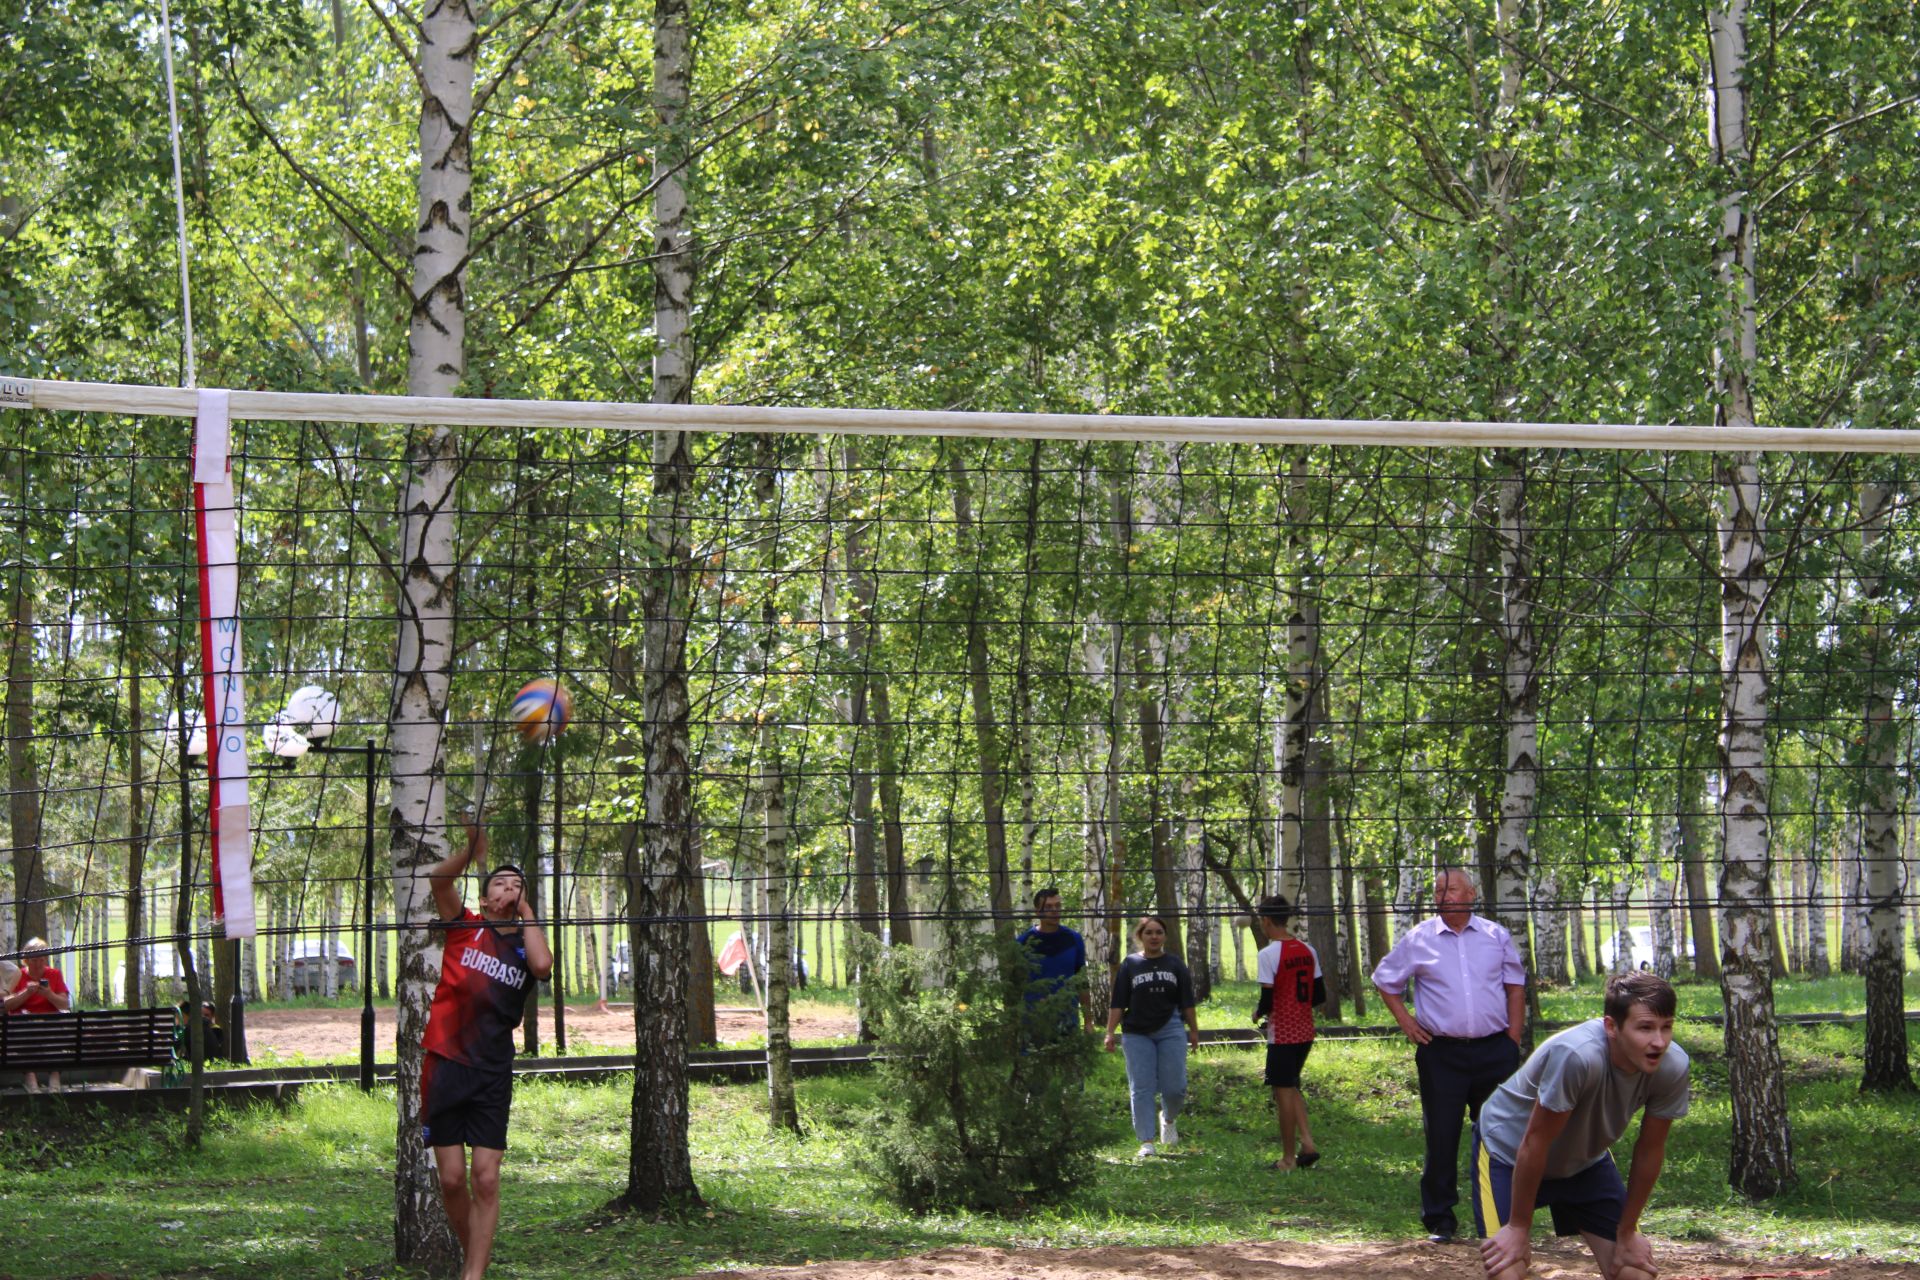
{"points": [[983, 1099]]}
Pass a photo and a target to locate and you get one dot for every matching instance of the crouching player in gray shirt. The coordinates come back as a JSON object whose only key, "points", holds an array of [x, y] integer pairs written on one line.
{"points": [[1543, 1136]]}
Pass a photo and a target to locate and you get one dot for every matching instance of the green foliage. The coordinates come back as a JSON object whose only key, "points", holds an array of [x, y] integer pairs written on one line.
{"points": [[982, 1102]]}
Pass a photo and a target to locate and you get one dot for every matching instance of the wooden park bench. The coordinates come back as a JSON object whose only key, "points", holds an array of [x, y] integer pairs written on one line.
{"points": [[89, 1038]]}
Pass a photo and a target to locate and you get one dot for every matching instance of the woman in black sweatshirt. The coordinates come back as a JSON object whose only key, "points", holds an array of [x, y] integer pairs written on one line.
{"points": [[1152, 997]]}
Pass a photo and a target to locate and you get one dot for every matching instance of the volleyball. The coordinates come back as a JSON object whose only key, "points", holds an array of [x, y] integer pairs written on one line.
{"points": [[541, 710]]}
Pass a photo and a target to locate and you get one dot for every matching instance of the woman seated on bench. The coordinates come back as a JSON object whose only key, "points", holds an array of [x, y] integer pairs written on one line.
{"points": [[38, 989]]}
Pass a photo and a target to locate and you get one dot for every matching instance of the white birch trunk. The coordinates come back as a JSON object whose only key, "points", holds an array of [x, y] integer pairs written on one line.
{"points": [[1577, 943], [590, 956], [1193, 897], [250, 970], [1292, 742], [1406, 888], [1237, 927], [1762, 1153], [1910, 879], [1099, 936], [202, 945], [1910, 885], [1513, 532], [1797, 915], [783, 1110], [57, 941], [417, 716], [1519, 701], [1105, 935], [1660, 918], [88, 991], [1819, 957], [330, 944], [609, 984], [280, 977], [1550, 934], [381, 938], [1852, 905], [1885, 1065], [662, 875], [1621, 961], [1215, 961], [753, 907]]}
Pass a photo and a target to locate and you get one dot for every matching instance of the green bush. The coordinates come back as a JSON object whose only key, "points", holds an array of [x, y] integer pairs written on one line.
{"points": [[982, 1098]]}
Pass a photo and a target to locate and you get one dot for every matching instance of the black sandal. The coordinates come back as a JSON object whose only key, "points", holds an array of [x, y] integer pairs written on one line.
{"points": [[1306, 1159]]}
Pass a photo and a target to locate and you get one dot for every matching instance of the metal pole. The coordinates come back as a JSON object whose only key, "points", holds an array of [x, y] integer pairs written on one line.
{"points": [[237, 1012], [555, 900], [366, 946], [183, 929]]}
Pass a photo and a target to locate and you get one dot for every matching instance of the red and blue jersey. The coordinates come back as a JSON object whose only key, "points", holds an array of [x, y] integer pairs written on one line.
{"points": [[482, 994]]}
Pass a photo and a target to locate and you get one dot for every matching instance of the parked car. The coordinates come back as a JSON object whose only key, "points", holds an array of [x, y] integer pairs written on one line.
{"points": [[1638, 942], [162, 962], [307, 963]]}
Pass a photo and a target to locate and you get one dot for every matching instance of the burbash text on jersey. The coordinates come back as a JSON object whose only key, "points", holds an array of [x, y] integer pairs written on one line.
{"points": [[493, 967]]}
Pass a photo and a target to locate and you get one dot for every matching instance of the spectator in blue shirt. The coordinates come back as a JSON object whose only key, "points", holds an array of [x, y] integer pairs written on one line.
{"points": [[1055, 957]]}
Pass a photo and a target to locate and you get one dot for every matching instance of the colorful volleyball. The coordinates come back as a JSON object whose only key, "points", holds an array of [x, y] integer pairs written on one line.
{"points": [[541, 710]]}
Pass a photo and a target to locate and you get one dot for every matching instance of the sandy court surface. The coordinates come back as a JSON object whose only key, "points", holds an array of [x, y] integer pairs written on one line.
{"points": [[327, 1033], [1278, 1260]]}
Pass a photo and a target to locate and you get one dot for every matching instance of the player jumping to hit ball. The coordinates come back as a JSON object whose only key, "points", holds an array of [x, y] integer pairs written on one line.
{"points": [[1543, 1137], [491, 959]]}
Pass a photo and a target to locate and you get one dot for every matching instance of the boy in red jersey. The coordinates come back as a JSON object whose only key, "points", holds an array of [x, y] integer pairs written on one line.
{"points": [[490, 960], [1290, 987]]}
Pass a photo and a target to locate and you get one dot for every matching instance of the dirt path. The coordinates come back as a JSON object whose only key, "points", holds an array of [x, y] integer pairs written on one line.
{"points": [[331, 1033], [1281, 1260]]}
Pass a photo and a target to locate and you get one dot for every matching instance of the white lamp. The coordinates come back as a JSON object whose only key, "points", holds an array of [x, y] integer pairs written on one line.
{"points": [[315, 708], [282, 739]]}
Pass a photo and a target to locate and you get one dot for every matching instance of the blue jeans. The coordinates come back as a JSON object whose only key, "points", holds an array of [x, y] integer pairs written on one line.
{"points": [[1156, 1064]]}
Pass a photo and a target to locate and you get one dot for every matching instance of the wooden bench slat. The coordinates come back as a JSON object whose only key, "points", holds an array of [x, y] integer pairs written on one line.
{"points": [[106, 1037]]}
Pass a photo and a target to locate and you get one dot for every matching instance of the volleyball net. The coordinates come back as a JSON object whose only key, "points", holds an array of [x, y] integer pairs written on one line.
{"points": [[939, 662]]}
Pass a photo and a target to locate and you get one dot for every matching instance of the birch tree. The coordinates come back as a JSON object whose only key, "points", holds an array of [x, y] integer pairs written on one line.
{"points": [[1762, 1156], [1513, 528], [783, 1110], [986, 727], [662, 870], [1690, 802], [416, 718], [1885, 1055]]}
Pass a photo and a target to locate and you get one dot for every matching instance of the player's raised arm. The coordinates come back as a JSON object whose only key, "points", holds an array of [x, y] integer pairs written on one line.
{"points": [[534, 939], [444, 875]]}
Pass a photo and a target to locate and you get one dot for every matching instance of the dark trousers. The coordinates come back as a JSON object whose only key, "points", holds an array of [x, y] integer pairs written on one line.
{"points": [[1456, 1076]]}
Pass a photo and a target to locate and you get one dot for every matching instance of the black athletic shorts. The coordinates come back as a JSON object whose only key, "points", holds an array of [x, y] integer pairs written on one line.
{"points": [[1284, 1062], [1591, 1200], [463, 1106]]}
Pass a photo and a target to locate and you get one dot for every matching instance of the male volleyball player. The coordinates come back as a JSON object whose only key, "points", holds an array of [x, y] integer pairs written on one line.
{"points": [[1291, 986], [1543, 1137], [491, 959]]}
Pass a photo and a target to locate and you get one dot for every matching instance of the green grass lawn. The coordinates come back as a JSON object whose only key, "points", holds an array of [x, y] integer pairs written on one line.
{"points": [[308, 1193]]}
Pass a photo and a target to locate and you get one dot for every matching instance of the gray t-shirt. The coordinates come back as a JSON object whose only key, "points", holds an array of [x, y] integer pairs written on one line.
{"points": [[1573, 1072]]}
